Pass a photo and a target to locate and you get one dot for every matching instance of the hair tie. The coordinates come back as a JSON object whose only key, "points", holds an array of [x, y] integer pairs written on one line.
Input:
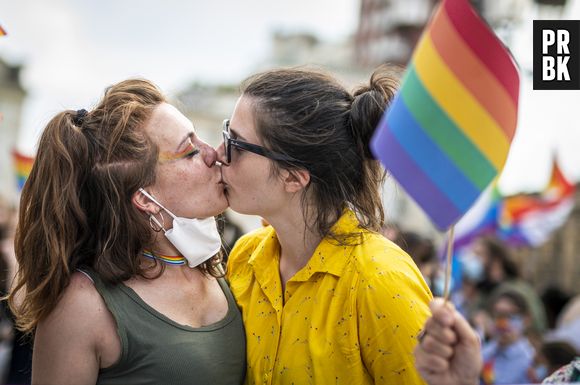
{"points": [[79, 118]]}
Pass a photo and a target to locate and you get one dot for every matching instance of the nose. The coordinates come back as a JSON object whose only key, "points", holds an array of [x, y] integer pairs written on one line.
{"points": [[221, 154], [209, 155]]}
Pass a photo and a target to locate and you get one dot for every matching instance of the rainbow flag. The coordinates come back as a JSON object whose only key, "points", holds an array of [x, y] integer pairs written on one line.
{"points": [[23, 166], [448, 131], [529, 220], [2, 31], [519, 220]]}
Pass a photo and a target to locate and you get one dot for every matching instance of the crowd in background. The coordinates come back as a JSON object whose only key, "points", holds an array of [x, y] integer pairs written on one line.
{"points": [[15, 348], [525, 335]]}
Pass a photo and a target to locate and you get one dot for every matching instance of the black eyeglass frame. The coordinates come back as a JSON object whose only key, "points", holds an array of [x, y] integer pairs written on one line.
{"points": [[253, 148]]}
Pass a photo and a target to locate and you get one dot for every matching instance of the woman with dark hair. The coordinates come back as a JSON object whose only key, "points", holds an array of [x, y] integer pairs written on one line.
{"points": [[119, 271], [325, 298]]}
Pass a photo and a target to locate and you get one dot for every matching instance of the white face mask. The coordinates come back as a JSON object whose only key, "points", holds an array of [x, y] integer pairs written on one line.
{"points": [[197, 239]]}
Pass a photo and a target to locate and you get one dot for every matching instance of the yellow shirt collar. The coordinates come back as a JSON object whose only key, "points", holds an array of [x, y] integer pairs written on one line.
{"points": [[325, 259]]}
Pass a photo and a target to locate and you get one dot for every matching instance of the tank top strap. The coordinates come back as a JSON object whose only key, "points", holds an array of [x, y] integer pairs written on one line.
{"points": [[115, 302], [232, 305]]}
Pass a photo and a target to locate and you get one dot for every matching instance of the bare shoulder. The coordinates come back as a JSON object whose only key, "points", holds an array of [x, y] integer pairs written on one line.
{"points": [[76, 339], [79, 318], [79, 302]]}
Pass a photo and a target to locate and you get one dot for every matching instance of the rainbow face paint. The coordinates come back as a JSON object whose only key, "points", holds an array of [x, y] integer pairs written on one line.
{"points": [[189, 151]]}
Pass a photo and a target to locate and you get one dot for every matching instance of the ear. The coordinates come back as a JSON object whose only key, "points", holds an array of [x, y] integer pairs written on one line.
{"points": [[144, 204], [295, 180]]}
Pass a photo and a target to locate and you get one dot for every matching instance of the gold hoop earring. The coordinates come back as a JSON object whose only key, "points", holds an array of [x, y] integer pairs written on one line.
{"points": [[155, 224]]}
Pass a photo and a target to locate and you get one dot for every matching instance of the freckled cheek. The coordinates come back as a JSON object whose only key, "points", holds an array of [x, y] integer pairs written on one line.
{"points": [[191, 173], [184, 177]]}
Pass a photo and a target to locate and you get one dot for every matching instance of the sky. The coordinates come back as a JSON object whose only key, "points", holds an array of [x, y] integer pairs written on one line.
{"points": [[72, 49]]}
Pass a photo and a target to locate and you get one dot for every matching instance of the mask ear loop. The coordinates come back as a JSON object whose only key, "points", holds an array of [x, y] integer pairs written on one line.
{"points": [[142, 191], [154, 223]]}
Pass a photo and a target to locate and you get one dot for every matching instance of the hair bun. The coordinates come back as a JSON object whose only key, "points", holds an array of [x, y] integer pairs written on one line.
{"points": [[369, 104]]}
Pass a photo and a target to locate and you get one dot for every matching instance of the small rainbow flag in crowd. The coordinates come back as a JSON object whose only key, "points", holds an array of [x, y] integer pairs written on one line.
{"points": [[448, 131], [23, 166], [519, 220], [530, 220]]}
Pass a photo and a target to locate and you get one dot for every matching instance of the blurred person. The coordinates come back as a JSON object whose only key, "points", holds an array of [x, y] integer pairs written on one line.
{"points": [[325, 298], [449, 351], [509, 354], [422, 251], [568, 324], [497, 262], [567, 374], [6, 332], [554, 300], [392, 232], [16, 346], [569, 333], [7, 263], [501, 274], [570, 312], [473, 291], [550, 357], [467, 300], [117, 249]]}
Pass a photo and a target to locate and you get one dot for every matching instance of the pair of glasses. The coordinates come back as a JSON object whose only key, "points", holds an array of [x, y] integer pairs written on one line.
{"points": [[254, 148]]}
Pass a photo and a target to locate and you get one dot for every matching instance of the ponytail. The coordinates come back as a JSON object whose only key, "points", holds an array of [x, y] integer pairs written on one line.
{"points": [[52, 224], [76, 209], [369, 104], [368, 107]]}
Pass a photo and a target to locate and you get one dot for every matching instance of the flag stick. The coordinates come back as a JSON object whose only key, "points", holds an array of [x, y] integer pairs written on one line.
{"points": [[448, 267]]}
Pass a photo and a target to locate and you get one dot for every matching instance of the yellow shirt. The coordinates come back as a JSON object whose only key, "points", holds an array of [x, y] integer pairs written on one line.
{"points": [[350, 316]]}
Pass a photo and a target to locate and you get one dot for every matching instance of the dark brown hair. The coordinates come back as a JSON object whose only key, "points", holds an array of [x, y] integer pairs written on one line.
{"points": [[309, 116], [76, 209], [499, 252]]}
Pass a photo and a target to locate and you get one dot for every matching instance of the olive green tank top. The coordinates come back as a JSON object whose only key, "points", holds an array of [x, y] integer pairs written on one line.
{"points": [[158, 351]]}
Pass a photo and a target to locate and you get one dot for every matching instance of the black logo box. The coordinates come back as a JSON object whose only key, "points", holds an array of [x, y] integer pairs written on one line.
{"points": [[573, 64]]}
